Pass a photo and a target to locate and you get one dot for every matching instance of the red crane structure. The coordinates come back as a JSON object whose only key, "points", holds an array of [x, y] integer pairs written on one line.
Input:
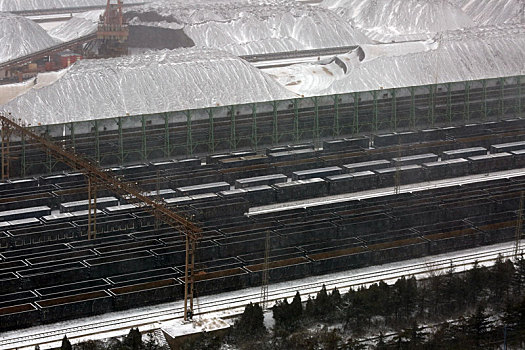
{"points": [[113, 31]]}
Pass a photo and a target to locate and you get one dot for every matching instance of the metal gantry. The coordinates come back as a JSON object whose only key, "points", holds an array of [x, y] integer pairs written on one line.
{"points": [[102, 177]]}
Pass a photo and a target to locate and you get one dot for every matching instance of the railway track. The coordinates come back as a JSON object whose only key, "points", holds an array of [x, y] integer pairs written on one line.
{"points": [[231, 304]]}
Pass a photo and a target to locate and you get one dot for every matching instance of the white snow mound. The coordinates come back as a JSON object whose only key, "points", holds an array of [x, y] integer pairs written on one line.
{"points": [[249, 27], [154, 82], [401, 20], [79, 25], [460, 55], [489, 12], [20, 36]]}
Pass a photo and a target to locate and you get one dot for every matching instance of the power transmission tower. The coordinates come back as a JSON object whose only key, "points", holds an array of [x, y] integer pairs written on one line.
{"points": [[265, 273], [397, 175], [519, 224]]}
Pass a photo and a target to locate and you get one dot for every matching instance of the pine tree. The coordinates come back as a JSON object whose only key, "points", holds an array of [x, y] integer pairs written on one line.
{"points": [[296, 308], [251, 322], [66, 344], [133, 339], [309, 309]]}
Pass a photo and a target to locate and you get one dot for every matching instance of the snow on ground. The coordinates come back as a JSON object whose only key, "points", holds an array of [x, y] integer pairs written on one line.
{"points": [[170, 314], [9, 92], [20, 36], [31, 5], [247, 26], [79, 25], [148, 83], [469, 54], [401, 20], [489, 12]]}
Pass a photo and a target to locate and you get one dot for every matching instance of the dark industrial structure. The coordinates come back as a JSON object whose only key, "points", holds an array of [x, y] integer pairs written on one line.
{"points": [[215, 169]]}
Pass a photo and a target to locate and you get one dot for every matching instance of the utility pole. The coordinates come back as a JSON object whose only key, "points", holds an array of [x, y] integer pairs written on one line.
{"points": [[397, 175], [265, 273], [519, 224]]}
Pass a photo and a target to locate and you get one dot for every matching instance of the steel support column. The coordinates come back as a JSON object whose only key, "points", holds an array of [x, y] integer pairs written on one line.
{"points": [[120, 141], [466, 113], [394, 109], [275, 127], [412, 107], [255, 137], [233, 129], [449, 103], [501, 98], [211, 131], [97, 143], [484, 99], [337, 128], [355, 129], [296, 131], [316, 132], [375, 111], [189, 135], [144, 150], [167, 146]]}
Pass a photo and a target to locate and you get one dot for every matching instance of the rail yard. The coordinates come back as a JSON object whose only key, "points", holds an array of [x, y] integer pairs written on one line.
{"points": [[184, 170]]}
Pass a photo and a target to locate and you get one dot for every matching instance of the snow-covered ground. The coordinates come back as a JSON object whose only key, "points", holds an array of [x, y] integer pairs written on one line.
{"points": [[11, 91], [467, 54], [20, 36], [153, 82]]}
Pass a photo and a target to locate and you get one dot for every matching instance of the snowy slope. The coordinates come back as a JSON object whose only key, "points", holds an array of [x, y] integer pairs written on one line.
{"points": [[20, 36], [81, 24], [148, 83], [247, 26], [28, 5], [401, 20], [488, 12], [454, 56]]}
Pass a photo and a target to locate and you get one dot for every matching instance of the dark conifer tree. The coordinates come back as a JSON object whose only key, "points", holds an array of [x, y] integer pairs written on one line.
{"points": [[66, 344]]}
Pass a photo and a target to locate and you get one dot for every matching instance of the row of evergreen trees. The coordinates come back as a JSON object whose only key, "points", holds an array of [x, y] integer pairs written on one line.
{"points": [[133, 341], [478, 292]]}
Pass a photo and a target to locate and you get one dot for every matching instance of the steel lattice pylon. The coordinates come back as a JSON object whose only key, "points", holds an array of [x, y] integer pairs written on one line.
{"points": [[99, 177]]}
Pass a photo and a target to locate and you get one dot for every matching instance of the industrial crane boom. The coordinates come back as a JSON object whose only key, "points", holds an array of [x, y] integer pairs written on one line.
{"points": [[157, 207]]}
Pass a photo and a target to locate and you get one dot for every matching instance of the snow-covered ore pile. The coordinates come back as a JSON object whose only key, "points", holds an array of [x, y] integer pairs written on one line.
{"points": [[401, 20], [489, 12], [20, 36], [31, 5], [244, 26], [148, 83], [79, 25], [453, 56]]}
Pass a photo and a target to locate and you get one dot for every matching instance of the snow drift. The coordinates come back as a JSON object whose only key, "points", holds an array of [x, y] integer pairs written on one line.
{"points": [[247, 26], [21, 36], [148, 83], [79, 25], [401, 20], [460, 55], [489, 12]]}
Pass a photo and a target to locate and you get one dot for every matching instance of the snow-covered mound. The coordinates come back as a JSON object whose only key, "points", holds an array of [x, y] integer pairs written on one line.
{"points": [[30, 5], [401, 20], [9, 92], [148, 83], [488, 12], [454, 56], [20, 36], [249, 26], [80, 24]]}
